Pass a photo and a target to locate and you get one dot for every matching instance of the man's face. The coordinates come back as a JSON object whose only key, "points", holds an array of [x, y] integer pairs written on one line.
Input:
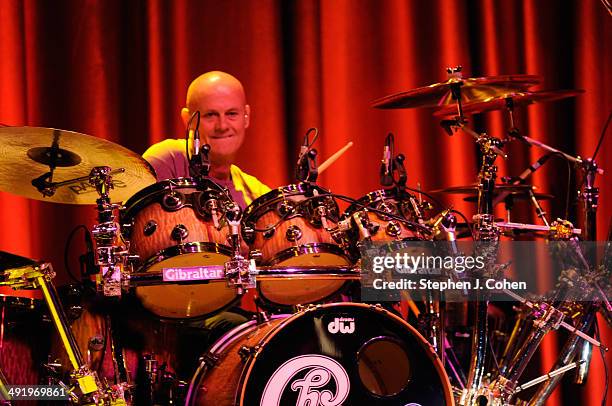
{"points": [[223, 123]]}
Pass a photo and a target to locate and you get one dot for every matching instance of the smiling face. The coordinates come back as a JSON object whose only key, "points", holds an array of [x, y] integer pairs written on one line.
{"points": [[224, 114]]}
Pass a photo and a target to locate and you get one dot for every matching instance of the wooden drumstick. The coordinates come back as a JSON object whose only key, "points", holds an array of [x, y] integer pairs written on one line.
{"points": [[333, 158]]}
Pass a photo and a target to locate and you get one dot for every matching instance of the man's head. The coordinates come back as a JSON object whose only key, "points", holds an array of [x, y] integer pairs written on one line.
{"points": [[224, 113]]}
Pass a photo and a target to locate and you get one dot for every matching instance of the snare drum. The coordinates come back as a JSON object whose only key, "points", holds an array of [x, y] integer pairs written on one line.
{"points": [[177, 224], [337, 354], [291, 228]]}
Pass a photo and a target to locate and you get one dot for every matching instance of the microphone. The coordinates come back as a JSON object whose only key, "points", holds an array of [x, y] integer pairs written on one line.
{"points": [[303, 150], [195, 133], [302, 169], [386, 166], [196, 140]]}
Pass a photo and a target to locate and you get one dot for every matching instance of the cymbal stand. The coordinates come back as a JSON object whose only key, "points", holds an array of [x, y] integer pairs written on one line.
{"points": [[590, 197], [488, 233], [111, 257]]}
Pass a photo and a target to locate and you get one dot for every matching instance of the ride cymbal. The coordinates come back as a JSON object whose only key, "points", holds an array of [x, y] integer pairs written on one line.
{"points": [[472, 89], [27, 153]]}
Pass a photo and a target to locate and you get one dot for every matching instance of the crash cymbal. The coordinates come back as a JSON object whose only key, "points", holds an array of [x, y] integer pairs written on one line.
{"points": [[472, 89], [25, 155], [517, 99]]}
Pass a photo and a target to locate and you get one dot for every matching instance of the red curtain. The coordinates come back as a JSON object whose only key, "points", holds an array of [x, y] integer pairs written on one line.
{"points": [[119, 70]]}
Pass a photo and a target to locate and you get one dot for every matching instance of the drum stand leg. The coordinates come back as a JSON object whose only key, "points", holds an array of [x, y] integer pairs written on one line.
{"points": [[86, 380], [4, 395], [122, 377]]}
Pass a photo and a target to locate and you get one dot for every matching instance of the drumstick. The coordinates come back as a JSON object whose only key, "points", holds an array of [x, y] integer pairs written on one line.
{"points": [[333, 158]]}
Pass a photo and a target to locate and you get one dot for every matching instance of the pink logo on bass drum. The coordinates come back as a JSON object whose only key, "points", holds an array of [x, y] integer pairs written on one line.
{"points": [[321, 370]]}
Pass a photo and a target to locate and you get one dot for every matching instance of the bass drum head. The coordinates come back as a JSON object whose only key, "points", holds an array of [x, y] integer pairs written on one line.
{"points": [[337, 354]]}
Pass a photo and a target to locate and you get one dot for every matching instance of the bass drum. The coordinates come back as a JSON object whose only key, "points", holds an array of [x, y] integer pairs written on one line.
{"points": [[179, 223], [332, 355]]}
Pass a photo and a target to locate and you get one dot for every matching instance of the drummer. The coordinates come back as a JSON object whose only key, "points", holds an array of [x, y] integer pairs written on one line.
{"points": [[225, 117]]}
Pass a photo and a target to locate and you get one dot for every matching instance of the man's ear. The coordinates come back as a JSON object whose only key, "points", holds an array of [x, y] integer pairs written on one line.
{"points": [[247, 116], [185, 115]]}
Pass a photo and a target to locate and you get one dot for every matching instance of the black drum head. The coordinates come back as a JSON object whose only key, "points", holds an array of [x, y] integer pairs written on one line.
{"points": [[345, 354]]}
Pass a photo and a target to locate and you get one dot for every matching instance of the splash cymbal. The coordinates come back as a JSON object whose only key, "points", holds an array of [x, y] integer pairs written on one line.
{"points": [[26, 154], [514, 99], [472, 89]]}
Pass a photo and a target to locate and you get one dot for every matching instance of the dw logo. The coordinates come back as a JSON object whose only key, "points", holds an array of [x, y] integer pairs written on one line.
{"points": [[321, 370], [344, 325]]}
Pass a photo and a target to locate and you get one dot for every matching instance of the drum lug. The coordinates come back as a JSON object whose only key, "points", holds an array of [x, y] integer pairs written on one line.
{"points": [[246, 353], [211, 360], [293, 233], [179, 233], [248, 234], [285, 208], [307, 308], [173, 201], [394, 229], [373, 227], [269, 233], [378, 307], [257, 255], [149, 228]]}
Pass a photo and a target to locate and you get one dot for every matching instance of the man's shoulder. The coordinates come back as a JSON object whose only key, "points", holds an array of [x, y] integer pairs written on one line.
{"points": [[170, 146], [249, 182]]}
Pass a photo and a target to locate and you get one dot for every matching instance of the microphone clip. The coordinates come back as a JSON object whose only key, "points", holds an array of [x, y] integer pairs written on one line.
{"points": [[199, 164]]}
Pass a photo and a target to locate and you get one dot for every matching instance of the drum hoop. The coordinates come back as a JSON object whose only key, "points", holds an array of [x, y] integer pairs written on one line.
{"points": [[311, 248], [143, 197], [253, 210], [265, 340], [220, 346], [185, 248], [371, 198]]}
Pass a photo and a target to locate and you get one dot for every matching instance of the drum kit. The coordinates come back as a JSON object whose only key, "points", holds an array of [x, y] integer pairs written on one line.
{"points": [[184, 251]]}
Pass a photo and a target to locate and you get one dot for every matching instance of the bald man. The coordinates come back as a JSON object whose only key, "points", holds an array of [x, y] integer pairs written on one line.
{"points": [[225, 116]]}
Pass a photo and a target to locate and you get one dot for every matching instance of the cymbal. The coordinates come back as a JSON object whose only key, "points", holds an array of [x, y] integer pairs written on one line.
{"points": [[513, 191], [473, 189], [518, 99], [472, 89], [25, 154], [514, 196]]}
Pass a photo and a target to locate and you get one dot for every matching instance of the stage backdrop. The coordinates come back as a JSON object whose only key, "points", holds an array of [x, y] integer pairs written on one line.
{"points": [[119, 70]]}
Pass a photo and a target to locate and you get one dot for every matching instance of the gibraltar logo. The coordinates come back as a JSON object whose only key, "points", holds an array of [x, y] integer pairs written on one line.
{"points": [[321, 370]]}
